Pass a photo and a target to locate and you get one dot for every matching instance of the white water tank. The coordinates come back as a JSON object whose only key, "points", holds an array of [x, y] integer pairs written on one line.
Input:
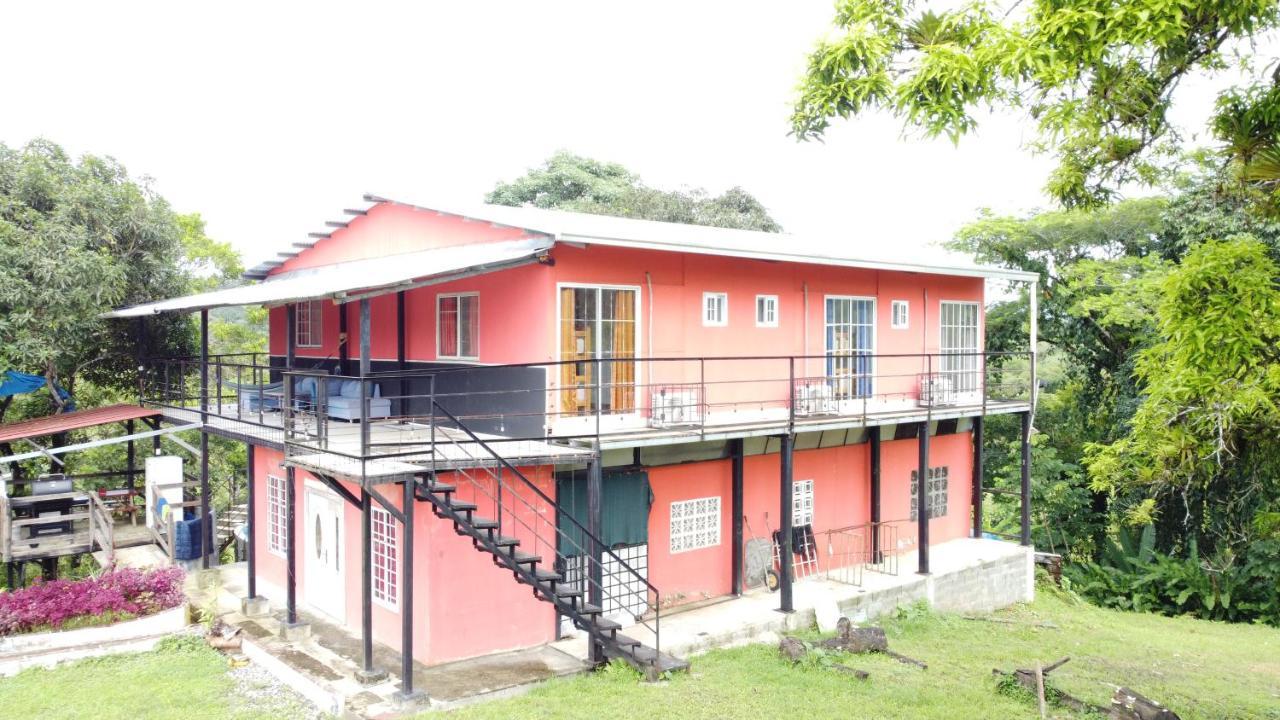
{"points": [[164, 482]]}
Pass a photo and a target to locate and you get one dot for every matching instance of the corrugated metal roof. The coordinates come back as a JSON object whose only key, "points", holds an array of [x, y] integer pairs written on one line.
{"points": [[885, 254], [357, 277], [54, 424]]}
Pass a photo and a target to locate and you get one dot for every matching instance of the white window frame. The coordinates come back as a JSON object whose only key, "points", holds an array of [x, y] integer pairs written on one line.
{"points": [[723, 300], [968, 368], [385, 555], [638, 339], [769, 304], [906, 315], [308, 317], [870, 352], [277, 514], [475, 341], [695, 524], [802, 503]]}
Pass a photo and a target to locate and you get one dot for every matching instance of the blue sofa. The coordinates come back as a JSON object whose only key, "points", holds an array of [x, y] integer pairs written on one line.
{"points": [[342, 399]]}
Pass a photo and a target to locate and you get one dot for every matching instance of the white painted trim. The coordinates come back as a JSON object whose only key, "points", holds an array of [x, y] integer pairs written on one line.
{"points": [[278, 552], [559, 355], [440, 356], [319, 320], [724, 320], [392, 605], [893, 321], [777, 311], [875, 332], [99, 443]]}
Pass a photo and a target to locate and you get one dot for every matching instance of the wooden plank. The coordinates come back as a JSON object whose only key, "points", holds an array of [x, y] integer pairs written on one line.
{"points": [[50, 519]]}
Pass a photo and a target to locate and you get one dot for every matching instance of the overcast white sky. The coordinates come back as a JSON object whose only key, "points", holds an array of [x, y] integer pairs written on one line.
{"points": [[269, 118]]}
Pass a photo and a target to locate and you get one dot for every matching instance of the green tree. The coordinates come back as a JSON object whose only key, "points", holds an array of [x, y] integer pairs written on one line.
{"points": [[76, 239], [1098, 78], [1202, 449], [571, 182]]}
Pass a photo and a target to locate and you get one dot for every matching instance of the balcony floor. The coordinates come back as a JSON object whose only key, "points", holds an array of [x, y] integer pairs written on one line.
{"points": [[406, 444]]}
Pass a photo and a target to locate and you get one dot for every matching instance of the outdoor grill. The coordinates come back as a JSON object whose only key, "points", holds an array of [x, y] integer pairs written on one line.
{"points": [[50, 485]]}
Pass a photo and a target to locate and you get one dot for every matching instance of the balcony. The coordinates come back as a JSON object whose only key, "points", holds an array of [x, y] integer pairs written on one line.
{"points": [[554, 412]]}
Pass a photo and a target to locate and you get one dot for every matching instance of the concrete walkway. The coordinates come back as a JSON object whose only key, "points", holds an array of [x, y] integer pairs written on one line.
{"points": [[323, 667], [968, 575]]}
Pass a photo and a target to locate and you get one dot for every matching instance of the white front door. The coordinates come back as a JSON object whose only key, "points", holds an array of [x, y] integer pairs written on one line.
{"points": [[323, 535]]}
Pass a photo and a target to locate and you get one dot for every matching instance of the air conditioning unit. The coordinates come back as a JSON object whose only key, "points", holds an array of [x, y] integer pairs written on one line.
{"points": [[815, 398], [675, 407], [936, 391]]}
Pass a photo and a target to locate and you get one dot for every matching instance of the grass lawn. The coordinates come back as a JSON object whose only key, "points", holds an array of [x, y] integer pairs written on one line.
{"points": [[184, 678], [1199, 669]]}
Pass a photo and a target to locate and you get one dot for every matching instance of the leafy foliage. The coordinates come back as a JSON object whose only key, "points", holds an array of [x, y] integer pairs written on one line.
{"points": [[571, 182], [1097, 77], [127, 592], [1131, 575], [1204, 431], [77, 238]]}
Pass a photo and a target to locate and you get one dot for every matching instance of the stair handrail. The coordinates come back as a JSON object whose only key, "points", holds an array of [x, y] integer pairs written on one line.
{"points": [[541, 495]]}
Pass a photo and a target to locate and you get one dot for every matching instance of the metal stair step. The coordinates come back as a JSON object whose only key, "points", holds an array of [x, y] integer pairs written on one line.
{"points": [[506, 542], [588, 609], [548, 575], [482, 523], [458, 506], [624, 641], [564, 592], [526, 558], [605, 624]]}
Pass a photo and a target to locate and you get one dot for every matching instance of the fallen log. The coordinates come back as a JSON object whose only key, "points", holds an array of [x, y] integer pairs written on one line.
{"points": [[792, 649], [1027, 679], [906, 660], [1129, 705], [857, 640], [860, 674]]}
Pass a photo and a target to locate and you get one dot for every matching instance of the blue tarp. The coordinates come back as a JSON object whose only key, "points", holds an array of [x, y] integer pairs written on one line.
{"points": [[17, 383]]}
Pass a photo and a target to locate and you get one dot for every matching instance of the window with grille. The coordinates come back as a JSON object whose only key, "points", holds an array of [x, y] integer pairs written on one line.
{"points": [[276, 514], [935, 493], [850, 340], [802, 502], [695, 524], [385, 568], [458, 325], [308, 323], [715, 309], [899, 315], [959, 345], [766, 311]]}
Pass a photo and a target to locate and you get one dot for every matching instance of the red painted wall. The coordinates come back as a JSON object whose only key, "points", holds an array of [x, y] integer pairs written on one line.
{"points": [[464, 606], [842, 492]]}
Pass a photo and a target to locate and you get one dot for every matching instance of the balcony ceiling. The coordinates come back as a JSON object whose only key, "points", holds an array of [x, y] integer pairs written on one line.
{"points": [[346, 280]]}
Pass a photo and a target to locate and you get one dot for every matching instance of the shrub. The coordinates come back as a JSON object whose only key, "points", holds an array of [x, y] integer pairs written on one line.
{"points": [[115, 594], [1131, 575]]}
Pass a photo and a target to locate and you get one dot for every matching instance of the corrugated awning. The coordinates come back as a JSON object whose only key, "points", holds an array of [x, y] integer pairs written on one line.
{"points": [[54, 424], [358, 277]]}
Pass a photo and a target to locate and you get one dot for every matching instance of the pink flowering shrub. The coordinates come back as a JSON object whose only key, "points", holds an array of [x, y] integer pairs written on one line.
{"points": [[126, 592]]}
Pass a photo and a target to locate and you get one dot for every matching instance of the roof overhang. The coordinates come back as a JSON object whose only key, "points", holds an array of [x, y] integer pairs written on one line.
{"points": [[359, 278]]}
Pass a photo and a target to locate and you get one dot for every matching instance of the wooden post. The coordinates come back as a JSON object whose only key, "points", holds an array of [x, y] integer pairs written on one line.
{"points": [[595, 491], [406, 592], [874, 443], [738, 511], [206, 523], [290, 548], [977, 476], [785, 502], [1026, 479], [922, 502], [131, 454], [253, 523]]}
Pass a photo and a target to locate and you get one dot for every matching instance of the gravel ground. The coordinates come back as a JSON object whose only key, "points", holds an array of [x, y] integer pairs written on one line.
{"points": [[260, 691]]}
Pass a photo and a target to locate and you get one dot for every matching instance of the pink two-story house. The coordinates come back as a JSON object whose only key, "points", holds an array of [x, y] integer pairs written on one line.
{"points": [[624, 416]]}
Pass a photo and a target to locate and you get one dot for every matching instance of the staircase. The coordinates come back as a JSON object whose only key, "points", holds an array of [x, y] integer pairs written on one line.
{"points": [[510, 494], [226, 523]]}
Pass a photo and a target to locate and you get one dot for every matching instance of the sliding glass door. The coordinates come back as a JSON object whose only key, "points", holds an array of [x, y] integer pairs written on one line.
{"points": [[850, 337], [597, 335]]}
